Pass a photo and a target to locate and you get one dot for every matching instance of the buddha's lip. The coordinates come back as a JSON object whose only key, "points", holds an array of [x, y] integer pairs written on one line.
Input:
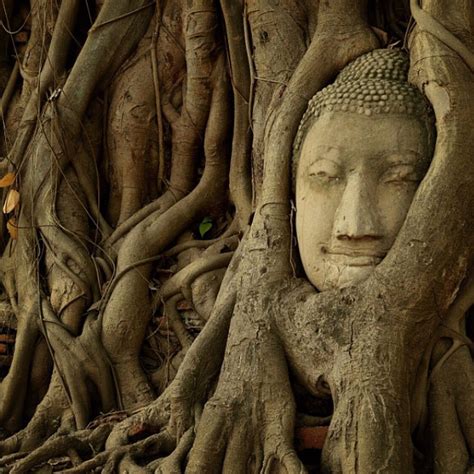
{"points": [[355, 261], [355, 257]]}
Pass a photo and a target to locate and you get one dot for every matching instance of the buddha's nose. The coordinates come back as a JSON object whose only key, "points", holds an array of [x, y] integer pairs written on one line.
{"points": [[357, 216]]}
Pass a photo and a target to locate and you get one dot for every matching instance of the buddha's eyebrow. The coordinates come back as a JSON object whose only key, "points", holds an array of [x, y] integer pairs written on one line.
{"points": [[326, 148], [405, 156], [329, 153], [324, 158]]}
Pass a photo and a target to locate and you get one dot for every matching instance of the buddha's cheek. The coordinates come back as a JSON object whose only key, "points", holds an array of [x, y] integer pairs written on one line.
{"points": [[394, 202], [315, 212]]}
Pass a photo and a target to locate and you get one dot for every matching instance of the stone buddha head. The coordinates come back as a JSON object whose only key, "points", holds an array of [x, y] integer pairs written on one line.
{"points": [[362, 148]]}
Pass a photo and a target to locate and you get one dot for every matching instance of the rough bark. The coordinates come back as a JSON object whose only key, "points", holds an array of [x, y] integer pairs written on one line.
{"points": [[141, 153]]}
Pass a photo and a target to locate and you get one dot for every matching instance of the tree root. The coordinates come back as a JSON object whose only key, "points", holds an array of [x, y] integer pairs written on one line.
{"points": [[14, 385], [451, 413], [231, 406], [123, 457], [52, 68], [166, 416], [52, 415], [239, 176], [181, 282], [247, 425], [82, 442], [173, 464], [428, 23], [121, 342], [189, 126], [177, 325], [131, 146], [79, 360]]}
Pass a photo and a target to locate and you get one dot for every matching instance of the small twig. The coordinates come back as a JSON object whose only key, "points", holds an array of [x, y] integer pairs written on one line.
{"points": [[7, 30]]}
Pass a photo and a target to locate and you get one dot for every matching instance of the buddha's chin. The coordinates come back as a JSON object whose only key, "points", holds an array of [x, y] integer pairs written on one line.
{"points": [[331, 276]]}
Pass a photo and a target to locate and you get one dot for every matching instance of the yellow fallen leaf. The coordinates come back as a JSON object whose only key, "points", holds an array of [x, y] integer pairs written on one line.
{"points": [[7, 180], [12, 228], [12, 201]]}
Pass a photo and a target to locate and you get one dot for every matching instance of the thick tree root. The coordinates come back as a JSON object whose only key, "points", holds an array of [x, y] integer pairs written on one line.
{"points": [[52, 415], [119, 459], [231, 406], [81, 442], [451, 410], [174, 463]]}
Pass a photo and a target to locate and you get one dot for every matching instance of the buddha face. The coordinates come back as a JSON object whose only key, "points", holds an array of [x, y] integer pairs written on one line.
{"points": [[355, 181]]}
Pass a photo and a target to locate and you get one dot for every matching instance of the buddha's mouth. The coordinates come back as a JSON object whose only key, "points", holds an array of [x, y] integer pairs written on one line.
{"points": [[354, 257]]}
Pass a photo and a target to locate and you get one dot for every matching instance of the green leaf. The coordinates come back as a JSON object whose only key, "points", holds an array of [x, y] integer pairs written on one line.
{"points": [[205, 226]]}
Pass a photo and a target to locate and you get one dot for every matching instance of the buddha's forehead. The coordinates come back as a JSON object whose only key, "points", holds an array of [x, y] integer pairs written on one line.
{"points": [[342, 135]]}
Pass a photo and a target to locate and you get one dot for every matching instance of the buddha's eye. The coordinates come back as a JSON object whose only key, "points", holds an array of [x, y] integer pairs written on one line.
{"points": [[325, 171], [400, 174], [324, 176]]}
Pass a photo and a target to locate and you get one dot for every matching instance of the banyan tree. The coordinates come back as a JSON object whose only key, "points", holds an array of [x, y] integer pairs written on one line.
{"points": [[237, 236]]}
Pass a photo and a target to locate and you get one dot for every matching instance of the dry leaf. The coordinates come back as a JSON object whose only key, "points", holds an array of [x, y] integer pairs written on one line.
{"points": [[183, 306], [21, 37], [381, 35], [12, 228], [11, 202], [7, 180]]}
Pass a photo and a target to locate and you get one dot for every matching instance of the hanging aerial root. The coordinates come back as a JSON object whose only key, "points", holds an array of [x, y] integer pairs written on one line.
{"points": [[132, 148], [39, 183], [9, 90], [187, 128], [240, 183], [152, 236], [52, 69]]}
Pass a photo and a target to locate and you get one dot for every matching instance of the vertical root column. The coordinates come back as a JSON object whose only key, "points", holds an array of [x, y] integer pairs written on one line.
{"points": [[370, 427]]}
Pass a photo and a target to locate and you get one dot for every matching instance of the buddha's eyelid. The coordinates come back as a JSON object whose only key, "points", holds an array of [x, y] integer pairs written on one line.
{"points": [[412, 158], [324, 159], [404, 171]]}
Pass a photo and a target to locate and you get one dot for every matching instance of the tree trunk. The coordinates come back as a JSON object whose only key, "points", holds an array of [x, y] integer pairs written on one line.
{"points": [[155, 315]]}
